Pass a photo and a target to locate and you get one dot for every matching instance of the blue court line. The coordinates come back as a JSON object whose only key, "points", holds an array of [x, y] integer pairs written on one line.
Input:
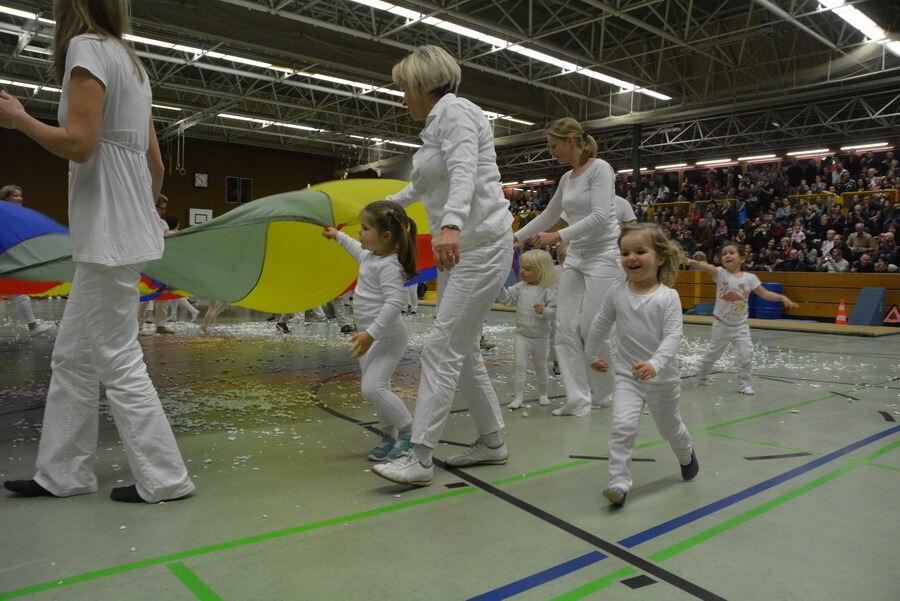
{"points": [[563, 569], [535, 580]]}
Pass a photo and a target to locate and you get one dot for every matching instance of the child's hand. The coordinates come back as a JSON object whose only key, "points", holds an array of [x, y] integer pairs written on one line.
{"points": [[362, 342], [539, 309], [789, 303], [599, 365], [643, 371], [686, 260], [329, 232]]}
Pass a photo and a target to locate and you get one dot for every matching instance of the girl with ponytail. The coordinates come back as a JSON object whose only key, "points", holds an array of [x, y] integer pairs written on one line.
{"points": [[386, 253]]}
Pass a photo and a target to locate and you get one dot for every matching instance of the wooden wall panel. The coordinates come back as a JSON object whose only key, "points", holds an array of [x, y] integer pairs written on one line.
{"points": [[43, 176]]}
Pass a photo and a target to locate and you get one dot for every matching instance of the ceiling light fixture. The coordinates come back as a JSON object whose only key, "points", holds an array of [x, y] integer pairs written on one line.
{"points": [[861, 22], [813, 152], [713, 161], [872, 146], [759, 157], [672, 166], [565, 67]]}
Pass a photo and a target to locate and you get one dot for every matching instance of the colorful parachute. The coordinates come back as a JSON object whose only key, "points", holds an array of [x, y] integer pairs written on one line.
{"points": [[268, 254]]}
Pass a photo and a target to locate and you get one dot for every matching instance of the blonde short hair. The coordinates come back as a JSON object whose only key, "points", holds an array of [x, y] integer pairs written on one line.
{"points": [[427, 70], [541, 263], [8, 190]]}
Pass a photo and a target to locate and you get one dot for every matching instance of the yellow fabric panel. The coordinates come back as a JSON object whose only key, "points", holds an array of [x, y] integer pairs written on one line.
{"points": [[301, 270], [349, 196]]}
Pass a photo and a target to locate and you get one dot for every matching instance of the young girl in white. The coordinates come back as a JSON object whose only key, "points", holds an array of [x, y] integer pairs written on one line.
{"points": [[733, 288], [535, 301], [647, 314], [386, 253]]}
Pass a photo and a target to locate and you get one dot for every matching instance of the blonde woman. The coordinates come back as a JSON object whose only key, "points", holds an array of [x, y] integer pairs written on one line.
{"points": [[586, 195], [455, 176], [115, 173]]}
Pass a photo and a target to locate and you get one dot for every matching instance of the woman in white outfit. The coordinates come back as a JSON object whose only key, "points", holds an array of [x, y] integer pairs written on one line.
{"points": [[13, 193], [115, 172], [455, 175], [585, 194]]}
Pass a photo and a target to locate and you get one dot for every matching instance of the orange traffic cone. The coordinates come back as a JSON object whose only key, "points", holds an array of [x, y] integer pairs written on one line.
{"points": [[842, 314]]}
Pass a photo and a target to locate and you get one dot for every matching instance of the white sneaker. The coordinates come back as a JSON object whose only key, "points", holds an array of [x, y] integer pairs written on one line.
{"points": [[543, 401], [703, 380], [576, 409], [480, 454], [40, 328], [746, 390], [514, 404], [616, 495], [407, 469], [603, 403]]}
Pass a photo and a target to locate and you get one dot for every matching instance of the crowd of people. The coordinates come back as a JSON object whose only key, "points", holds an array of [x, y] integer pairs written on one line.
{"points": [[787, 216]]}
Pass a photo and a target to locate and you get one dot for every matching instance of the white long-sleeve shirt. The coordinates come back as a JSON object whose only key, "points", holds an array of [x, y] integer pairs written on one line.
{"points": [[379, 296], [524, 297], [648, 328], [590, 211], [455, 174]]}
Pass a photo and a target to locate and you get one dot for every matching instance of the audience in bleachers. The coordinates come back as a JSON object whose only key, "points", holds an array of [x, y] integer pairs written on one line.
{"points": [[760, 208]]}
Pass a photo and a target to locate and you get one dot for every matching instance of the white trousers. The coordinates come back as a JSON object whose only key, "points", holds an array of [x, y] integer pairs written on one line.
{"points": [[23, 305], [536, 349], [451, 354], [629, 397], [739, 337], [97, 343], [578, 299], [413, 301], [377, 367]]}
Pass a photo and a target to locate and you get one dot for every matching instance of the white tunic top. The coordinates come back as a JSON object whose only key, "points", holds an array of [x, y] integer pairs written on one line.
{"points": [[379, 296], [524, 297], [455, 174], [648, 328], [112, 219], [732, 293], [587, 200]]}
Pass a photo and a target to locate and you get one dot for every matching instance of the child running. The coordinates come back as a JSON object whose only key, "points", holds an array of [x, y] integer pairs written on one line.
{"points": [[386, 253], [647, 316], [535, 301], [733, 288]]}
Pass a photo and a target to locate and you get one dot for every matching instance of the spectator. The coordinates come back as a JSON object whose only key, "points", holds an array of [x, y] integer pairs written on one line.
{"points": [[864, 264], [834, 262], [861, 241], [792, 263]]}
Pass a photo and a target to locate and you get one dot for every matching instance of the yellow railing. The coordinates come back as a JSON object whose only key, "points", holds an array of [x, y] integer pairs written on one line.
{"points": [[849, 197], [823, 198], [680, 209]]}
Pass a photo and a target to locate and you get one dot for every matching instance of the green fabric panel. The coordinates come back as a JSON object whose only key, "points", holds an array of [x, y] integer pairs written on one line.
{"points": [[224, 264], [223, 258], [50, 258]]}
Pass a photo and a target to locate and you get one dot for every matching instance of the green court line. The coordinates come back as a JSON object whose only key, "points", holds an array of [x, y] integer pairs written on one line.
{"points": [[547, 470], [884, 467], [748, 515], [760, 442], [129, 567], [704, 536], [36, 588], [596, 585], [193, 582]]}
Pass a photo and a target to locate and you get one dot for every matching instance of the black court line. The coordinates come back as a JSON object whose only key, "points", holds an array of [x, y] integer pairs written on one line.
{"points": [[782, 456], [887, 416], [775, 379], [847, 396], [456, 485], [372, 423], [455, 444], [601, 458], [638, 562], [638, 581]]}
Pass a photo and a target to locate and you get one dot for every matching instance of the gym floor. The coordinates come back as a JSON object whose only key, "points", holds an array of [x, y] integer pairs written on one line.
{"points": [[794, 500]]}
